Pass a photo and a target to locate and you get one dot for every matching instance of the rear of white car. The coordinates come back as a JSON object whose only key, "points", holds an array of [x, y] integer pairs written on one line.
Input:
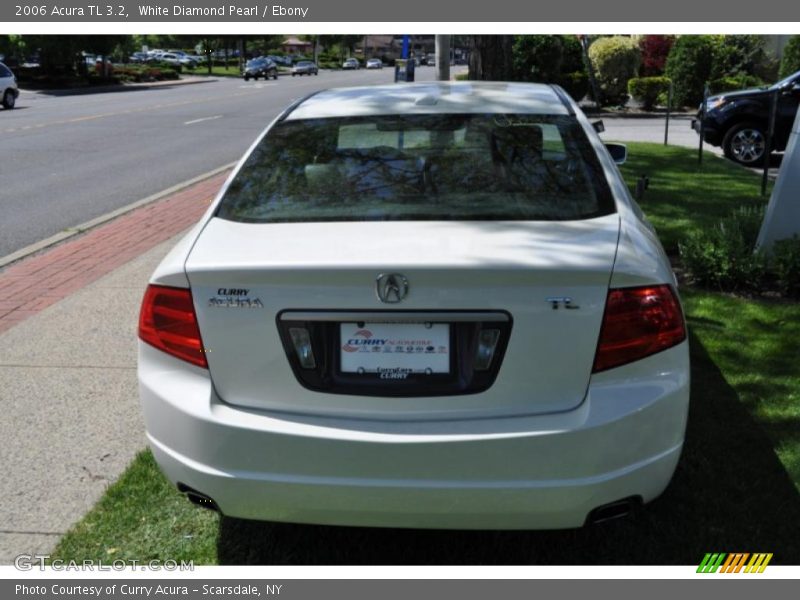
{"points": [[431, 305]]}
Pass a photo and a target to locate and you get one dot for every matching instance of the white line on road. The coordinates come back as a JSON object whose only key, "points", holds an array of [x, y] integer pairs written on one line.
{"points": [[203, 119]]}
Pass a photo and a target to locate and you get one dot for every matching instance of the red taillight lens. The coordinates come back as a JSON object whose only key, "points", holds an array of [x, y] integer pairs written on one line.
{"points": [[638, 322], [168, 322]]}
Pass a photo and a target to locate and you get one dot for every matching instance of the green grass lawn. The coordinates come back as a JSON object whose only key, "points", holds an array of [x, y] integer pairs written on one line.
{"points": [[737, 487], [684, 196]]}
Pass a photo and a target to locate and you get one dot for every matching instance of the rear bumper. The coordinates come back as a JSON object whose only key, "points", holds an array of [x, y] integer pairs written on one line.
{"points": [[527, 472]]}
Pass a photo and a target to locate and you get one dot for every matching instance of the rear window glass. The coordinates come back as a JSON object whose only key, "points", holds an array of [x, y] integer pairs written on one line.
{"points": [[421, 167]]}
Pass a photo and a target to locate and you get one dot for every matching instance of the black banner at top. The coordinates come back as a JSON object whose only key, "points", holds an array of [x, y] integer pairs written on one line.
{"points": [[331, 11]]}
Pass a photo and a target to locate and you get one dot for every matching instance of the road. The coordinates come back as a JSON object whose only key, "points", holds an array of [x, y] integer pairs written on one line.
{"points": [[69, 159]]}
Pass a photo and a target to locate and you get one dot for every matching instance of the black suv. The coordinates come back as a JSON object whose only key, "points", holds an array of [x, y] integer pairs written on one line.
{"points": [[260, 67], [738, 121]]}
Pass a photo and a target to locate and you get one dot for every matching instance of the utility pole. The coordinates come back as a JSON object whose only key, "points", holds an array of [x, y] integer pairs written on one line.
{"points": [[442, 57]]}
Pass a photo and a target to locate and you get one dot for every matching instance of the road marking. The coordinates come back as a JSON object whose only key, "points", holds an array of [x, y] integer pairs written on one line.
{"points": [[203, 119], [129, 111]]}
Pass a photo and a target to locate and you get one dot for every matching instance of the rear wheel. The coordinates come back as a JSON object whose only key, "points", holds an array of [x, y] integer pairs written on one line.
{"points": [[746, 144], [9, 100], [275, 75]]}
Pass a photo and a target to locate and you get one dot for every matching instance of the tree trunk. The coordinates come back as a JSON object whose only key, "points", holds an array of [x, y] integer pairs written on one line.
{"points": [[491, 58]]}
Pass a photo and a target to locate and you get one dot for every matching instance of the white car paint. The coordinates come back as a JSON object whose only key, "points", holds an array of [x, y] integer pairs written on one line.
{"points": [[547, 443]]}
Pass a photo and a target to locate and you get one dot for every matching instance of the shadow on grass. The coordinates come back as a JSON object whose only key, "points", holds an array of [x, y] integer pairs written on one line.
{"points": [[730, 493]]}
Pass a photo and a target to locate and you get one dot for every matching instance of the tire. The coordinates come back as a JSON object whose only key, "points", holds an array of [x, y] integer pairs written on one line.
{"points": [[293, 74], [275, 76], [9, 100], [247, 77], [746, 143]]}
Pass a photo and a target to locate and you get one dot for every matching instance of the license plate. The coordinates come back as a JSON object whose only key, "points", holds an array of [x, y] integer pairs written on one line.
{"points": [[395, 350]]}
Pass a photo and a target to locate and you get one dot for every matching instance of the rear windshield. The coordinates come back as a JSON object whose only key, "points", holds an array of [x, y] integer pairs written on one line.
{"points": [[421, 167]]}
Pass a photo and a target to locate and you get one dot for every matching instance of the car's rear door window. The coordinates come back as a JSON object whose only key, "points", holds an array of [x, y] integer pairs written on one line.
{"points": [[421, 167]]}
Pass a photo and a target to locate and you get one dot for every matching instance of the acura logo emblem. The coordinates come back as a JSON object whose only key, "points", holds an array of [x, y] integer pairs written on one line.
{"points": [[391, 287]]}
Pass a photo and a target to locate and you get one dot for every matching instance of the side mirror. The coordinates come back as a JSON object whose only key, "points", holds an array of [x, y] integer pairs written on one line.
{"points": [[618, 152]]}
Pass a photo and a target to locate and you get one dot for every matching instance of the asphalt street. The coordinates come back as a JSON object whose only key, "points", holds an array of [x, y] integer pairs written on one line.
{"points": [[69, 159]]}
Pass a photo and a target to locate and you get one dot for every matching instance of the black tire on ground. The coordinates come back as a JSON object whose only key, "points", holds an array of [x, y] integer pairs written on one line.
{"points": [[9, 100], [247, 77], [746, 143], [275, 75]]}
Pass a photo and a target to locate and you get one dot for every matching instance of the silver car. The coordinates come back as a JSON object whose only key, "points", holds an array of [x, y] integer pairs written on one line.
{"points": [[8, 87]]}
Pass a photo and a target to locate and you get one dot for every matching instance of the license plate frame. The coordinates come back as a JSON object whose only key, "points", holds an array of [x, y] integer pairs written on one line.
{"points": [[392, 351]]}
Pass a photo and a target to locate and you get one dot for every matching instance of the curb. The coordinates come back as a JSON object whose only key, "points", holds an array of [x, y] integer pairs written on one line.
{"points": [[120, 87], [97, 221]]}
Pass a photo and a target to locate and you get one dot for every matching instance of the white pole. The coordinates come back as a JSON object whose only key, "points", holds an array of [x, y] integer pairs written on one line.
{"points": [[782, 219]]}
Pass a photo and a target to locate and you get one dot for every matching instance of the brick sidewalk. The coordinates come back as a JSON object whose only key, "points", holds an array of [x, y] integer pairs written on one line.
{"points": [[33, 284]]}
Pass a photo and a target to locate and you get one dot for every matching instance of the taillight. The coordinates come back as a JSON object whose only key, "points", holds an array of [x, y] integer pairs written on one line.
{"points": [[168, 322], [638, 322]]}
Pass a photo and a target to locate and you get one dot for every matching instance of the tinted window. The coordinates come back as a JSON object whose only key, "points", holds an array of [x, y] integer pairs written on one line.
{"points": [[5, 72], [421, 167]]}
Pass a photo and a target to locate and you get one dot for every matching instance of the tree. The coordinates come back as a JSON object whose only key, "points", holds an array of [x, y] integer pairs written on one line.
{"points": [[492, 58]]}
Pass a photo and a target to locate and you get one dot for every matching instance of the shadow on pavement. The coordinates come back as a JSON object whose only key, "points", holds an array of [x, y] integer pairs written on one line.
{"points": [[729, 494]]}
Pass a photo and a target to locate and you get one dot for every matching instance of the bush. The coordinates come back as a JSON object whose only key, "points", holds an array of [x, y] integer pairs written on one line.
{"points": [[655, 49], [790, 63], [537, 57], [615, 60], [785, 264], [648, 89], [545, 58], [689, 67], [729, 84], [575, 84], [736, 55], [723, 257]]}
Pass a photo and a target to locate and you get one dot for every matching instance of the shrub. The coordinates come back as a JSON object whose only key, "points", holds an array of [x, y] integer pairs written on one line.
{"points": [[655, 49], [648, 89], [785, 264], [538, 57], [729, 84], [575, 84], [615, 60], [737, 55], [723, 256], [790, 63], [689, 67]]}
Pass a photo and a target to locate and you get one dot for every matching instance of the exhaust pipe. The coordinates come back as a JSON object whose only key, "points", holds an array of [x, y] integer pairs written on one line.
{"points": [[613, 510], [198, 498]]}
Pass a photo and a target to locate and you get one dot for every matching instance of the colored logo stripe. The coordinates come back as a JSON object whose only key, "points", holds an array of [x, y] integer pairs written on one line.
{"points": [[734, 562]]}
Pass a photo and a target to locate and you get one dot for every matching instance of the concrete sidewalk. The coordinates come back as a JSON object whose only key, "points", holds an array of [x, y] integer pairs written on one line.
{"points": [[68, 394]]}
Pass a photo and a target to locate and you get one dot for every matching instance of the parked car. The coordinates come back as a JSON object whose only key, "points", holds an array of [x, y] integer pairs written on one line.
{"points": [[138, 57], [260, 67], [9, 92], [186, 60], [305, 67], [374, 63], [739, 121], [428, 305], [351, 63]]}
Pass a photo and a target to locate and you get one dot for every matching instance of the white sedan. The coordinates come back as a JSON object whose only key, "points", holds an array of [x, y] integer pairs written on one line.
{"points": [[427, 305]]}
